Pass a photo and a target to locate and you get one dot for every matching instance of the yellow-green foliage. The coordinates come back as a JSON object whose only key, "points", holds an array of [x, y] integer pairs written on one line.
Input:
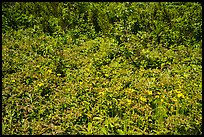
{"points": [[90, 83]]}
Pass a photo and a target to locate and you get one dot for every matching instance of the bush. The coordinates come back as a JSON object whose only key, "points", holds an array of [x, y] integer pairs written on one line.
{"points": [[101, 68]]}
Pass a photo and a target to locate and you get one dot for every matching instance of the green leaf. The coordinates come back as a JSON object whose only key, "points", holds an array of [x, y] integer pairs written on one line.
{"points": [[120, 132], [97, 118], [104, 131], [90, 127]]}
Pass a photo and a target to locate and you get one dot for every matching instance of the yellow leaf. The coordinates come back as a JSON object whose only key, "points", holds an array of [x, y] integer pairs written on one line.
{"points": [[143, 99], [158, 93], [40, 84], [49, 71], [149, 92], [156, 96], [180, 95], [177, 91]]}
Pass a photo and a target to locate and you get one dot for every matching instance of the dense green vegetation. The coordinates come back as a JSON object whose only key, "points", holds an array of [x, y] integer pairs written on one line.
{"points": [[102, 68]]}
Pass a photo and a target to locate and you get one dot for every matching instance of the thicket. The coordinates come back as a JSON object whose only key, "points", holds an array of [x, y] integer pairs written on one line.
{"points": [[101, 68]]}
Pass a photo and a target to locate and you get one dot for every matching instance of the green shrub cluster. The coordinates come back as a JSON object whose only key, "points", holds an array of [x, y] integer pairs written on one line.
{"points": [[102, 68]]}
